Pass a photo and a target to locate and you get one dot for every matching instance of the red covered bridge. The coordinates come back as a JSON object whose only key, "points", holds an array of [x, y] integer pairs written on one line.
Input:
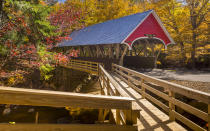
{"points": [[135, 35]]}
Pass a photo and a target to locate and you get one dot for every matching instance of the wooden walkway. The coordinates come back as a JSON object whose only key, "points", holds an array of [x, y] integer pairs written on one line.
{"points": [[155, 101], [151, 118], [129, 101]]}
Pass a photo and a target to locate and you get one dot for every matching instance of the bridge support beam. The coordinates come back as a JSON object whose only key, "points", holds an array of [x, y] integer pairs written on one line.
{"points": [[123, 55], [117, 51], [110, 51]]}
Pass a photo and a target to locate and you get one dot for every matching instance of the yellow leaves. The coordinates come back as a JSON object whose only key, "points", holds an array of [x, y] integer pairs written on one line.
{"points": [[207, 47], [73, 111], [25, 39], [56, 7], [15, 79], [10, 17], [158, 63], [19, 77], [100, 11], [7, 3], [11, 81], [12, 123]]}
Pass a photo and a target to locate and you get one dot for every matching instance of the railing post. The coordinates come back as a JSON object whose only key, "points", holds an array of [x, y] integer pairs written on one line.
{"points": [[37, 118], [142, 88], [171, 106], [112, 67], [98, 69], [101, 111], [129, 74], [103, 77], [135, 114], [101, 115], [128, 117], [208, 117], [117, 111], [117, 116], [108, 87], [131, 117]]}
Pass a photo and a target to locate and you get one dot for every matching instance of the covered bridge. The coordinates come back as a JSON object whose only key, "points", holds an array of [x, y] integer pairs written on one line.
{"points": [[112, 40]]}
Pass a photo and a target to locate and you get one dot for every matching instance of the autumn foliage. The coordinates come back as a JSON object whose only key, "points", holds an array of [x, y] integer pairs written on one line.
{"points": [[30, 31]]}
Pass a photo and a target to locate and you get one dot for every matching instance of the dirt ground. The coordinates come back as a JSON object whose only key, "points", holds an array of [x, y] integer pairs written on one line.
{"points": [[201, 86], [199, 80]]}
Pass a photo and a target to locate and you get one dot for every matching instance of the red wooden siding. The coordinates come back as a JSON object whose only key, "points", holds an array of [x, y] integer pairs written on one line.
{"points": [[149, 26]]}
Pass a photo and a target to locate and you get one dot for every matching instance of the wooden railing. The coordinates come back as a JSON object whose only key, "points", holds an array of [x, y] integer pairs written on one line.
{"points": [[20, 96], [110, 87], [86, 66], [147, 85]]}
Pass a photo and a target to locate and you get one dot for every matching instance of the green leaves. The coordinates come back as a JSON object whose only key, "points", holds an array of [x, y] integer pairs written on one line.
{"points": [[3, 50], [46, 71], [45, 59]]}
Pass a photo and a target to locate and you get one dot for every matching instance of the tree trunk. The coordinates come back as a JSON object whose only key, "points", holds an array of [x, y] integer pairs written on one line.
{"points": [[183, 57], [193, 49]]}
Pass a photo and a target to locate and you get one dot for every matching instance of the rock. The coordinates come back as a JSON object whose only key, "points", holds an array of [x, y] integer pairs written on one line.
{"points": [[6, 111], [31, 110], [78, 88]]}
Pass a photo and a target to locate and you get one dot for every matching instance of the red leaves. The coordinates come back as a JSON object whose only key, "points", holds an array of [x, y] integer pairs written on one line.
{"points": [[14, 52], [48, 40], [28, 31], [66, 18], [3, 74], [29, 52], [73, 53], [61, 58]]}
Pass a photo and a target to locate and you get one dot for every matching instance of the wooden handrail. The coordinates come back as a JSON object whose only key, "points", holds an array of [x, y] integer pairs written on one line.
{"points": [[20, 96], [135, 80], [110, 87], [186, 91], [81, 65], [113, 82]]}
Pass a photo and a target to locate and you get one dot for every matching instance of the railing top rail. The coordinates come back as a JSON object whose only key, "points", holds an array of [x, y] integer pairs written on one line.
{"points": [[84, 61], [20, 96], [111, 79], [118, 87], [183, 90]]}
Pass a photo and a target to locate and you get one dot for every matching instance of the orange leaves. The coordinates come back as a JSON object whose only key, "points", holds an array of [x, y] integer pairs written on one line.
{"points": [[28, 31], [42, 3]]}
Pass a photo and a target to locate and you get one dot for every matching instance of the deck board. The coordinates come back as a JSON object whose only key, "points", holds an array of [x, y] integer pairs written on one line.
{"points": [[151, 118]]}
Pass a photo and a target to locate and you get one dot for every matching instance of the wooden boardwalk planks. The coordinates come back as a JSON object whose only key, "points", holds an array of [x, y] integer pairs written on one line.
{"points": [[151, 118]]}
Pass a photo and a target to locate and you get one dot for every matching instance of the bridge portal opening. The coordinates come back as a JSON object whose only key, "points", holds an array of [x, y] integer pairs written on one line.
{"points": [[144, 53]]}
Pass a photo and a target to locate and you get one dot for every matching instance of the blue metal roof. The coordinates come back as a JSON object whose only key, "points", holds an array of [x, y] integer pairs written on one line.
{"points": [[109, 32]]}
